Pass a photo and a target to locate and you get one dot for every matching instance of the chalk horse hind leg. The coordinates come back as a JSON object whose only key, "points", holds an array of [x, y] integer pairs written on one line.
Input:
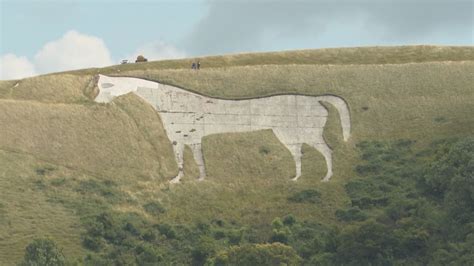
{"points": [[199, 159], [324, 149]]}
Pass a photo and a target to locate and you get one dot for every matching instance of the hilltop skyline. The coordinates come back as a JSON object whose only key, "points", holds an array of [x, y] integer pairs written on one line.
{"points": [[40, 37]]}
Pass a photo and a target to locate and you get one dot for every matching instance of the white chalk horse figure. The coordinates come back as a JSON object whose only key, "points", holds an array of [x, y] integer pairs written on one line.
{"points": [[188, 117]]}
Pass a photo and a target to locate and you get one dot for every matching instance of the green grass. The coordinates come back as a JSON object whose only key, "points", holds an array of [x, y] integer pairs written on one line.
{"points": [[26, 212], [75, 157]]}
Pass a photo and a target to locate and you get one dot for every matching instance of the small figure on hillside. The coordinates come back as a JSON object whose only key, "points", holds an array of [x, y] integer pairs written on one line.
{"points": [[140, 59], [198, 65], [193, 66]]}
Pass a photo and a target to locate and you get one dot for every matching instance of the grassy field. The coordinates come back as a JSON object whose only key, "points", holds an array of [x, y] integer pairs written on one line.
{"points": [[26, 211], [421, 93]]}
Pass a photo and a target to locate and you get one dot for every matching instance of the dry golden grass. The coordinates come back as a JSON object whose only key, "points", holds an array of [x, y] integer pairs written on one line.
{"points": [[337, 56], [56, 88], [98, 139]]}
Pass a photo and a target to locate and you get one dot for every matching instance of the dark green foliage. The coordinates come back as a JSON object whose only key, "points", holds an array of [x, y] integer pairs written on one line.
{"points": [[93, 243], [166, 230], [40, 184], [105, 189], [289, 220], [421, 205], [147, 254], [58, 181], [44, 170], [307, 195], [369, 244], [2, 213], [258, 254], [234, 236], [264, 150], [280, 232], [407, 207], [204, 249], [154, 208], [43, 252], [129, 239], [351, 214]]}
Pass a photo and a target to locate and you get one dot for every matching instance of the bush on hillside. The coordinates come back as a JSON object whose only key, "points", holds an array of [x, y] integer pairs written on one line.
{"points": [[307, 195], [43, 252], [258, 254], [154, 208], [351, 214]]}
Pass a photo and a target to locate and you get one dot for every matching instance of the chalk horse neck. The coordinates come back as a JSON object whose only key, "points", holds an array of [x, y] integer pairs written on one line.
{"points": [[187, 117]]}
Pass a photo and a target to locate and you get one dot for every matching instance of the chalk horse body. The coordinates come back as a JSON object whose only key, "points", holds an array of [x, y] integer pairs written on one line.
{"points": [[187, 117]]}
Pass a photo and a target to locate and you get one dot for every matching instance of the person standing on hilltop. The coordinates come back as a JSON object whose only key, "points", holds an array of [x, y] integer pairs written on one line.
{"points": [[198, 65], [193, 66]]}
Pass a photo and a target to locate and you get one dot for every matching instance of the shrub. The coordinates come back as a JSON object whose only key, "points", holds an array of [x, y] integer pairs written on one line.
{"points": [[258, 254], [205, 248], [41, 171], [154, 208], [289, 220], [234, 236], [307, 195], [43, 252], [92, 242], [147, 255], [280, 232], [351, 214], [264, 150], [166, 230]]}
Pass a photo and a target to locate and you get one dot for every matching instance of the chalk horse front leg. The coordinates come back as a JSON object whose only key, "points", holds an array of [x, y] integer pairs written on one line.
{"points": [[295, 150], [178, 149]]}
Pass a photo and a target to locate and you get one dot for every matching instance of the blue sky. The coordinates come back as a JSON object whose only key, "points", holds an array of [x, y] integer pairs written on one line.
{"points": [[39, 36]]}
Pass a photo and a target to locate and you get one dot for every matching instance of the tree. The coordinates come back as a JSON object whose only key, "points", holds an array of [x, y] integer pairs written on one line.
{"points": [[141, 58], [205, 248], [371, 243], [41, 252]]}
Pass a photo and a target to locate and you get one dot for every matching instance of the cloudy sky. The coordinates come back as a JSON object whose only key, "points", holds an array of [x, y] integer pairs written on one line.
{"points": [[43, 36]]}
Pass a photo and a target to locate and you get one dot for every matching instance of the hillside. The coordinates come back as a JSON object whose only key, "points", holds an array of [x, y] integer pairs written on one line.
{"points": [[65, 160]]}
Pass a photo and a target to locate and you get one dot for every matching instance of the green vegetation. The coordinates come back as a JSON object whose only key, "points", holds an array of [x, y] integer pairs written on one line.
{"points": [[259, 254], [307, 195], [93, 177], [403, 210], [43, 252]]}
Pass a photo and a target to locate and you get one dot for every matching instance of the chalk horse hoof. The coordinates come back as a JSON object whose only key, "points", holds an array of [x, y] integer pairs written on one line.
{"points": [[175, 180]]}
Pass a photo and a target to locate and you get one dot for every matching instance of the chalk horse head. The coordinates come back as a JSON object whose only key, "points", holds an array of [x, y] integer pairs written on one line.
{"points": [[188, 117]]}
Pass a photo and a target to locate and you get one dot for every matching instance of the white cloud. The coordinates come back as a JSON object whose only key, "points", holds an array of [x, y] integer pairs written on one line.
{"points": [[15, 67], [157, 50], [74, 50]]}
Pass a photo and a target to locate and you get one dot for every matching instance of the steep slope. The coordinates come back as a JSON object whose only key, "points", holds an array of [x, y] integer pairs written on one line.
{"points": [[50, 122]]}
